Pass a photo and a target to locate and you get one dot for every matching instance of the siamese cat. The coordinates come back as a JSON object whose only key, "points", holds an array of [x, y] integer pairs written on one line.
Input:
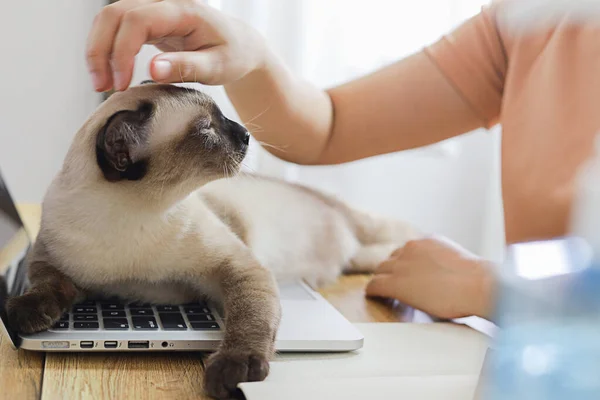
{"points": [[150, 206]]}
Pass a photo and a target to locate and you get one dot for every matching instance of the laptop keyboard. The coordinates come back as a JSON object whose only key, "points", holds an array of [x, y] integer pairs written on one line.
{"points": [[116, 316]]}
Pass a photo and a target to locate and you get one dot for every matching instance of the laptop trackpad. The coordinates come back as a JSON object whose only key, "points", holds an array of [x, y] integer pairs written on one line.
{"points": [[294, 291]]}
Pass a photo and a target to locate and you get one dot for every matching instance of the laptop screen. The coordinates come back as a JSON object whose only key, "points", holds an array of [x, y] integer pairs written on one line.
{"points": [[14, 243]]}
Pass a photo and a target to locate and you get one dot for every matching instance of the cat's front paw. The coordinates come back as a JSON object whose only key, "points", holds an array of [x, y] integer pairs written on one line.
{"points": [[225, 369], [33, 312]]}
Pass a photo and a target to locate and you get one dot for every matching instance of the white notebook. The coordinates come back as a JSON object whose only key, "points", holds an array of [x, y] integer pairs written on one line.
{"points": [[398, 360]]}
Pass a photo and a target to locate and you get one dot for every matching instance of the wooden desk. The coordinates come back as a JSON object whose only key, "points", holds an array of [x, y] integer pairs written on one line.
{"points": [[28, 375]]}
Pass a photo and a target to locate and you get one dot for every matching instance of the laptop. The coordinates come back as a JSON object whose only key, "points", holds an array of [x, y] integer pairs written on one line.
{"points": [[309, 323]]}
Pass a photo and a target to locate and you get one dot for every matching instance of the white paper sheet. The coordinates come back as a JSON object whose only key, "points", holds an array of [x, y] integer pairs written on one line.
{"points": [[397, 358], [446, 387]]}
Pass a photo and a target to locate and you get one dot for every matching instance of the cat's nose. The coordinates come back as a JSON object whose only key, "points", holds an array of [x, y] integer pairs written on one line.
{"points": [[239, 133]]}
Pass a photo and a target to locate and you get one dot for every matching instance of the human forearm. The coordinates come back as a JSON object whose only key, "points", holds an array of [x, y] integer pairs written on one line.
{"points": [[405, 105], [291, 117]]}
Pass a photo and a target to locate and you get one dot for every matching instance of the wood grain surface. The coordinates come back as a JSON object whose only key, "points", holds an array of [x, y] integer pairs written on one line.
{"points": [[20, 373], [123, 376]]}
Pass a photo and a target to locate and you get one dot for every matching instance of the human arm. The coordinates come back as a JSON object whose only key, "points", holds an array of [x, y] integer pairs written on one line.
{"points": [[411, 103], [405, 105]]}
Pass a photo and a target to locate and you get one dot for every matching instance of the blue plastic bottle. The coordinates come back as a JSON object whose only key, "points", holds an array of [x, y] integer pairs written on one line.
{"points": [[548, 311]]}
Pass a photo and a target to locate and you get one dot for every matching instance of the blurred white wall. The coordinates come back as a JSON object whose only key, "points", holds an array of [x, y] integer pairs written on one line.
{"points": [[45, 92]]}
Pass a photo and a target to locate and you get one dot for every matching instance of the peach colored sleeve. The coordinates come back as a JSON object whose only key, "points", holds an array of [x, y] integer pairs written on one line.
{"points": [[473, 59]]}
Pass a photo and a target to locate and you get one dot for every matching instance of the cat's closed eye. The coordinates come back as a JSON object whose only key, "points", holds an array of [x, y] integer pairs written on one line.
{"points": [[203, 126]]}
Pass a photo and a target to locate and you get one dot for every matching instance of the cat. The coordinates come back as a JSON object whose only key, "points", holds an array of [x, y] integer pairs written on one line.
{"points": [[150, 206]]}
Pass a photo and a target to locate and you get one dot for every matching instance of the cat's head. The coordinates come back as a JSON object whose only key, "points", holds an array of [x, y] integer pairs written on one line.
{"points": [[156, 138]]}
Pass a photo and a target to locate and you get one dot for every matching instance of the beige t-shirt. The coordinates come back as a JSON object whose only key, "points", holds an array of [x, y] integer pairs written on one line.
{"points": [[545, 91]]}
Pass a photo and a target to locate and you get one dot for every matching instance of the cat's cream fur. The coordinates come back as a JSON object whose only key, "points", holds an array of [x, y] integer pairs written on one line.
{"points": [[156, 222]]}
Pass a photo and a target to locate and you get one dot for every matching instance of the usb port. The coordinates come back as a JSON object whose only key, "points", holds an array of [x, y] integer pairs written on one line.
{"points": [[138, 345], [110, 345], [86, 345]]}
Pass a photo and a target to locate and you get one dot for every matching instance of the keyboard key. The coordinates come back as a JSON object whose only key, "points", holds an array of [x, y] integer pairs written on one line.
{"points": [[172, 321], [167, 308], [114, 314], [200, 318], [85, 317], [205, 326], [140, 312], [196, 310], [64, 317], [112, 306], [86, 325], [144, 323], [116, 324], [61, 325], [84, 310]]}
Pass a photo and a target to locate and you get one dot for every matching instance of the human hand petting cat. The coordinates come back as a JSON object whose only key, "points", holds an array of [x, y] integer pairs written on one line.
{"points": [[437, 277], [200, 43]]}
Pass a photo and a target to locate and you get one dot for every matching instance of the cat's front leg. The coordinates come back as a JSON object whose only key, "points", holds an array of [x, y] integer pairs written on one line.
{"points": [[50, 294], [252, 312]]}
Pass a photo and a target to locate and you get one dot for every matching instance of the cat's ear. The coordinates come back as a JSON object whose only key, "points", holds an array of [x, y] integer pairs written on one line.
{"points": [[121, 142]]}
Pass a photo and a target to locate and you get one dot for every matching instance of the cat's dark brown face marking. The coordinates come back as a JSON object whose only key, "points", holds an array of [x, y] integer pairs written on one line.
{"points": [[125, 133], [168, 137]]}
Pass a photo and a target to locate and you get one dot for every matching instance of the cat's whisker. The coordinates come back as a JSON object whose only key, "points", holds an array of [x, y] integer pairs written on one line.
{"points": [[180, 48], [272, 146], [225, 170], [251, 173], [254, 125], [258, 115]]}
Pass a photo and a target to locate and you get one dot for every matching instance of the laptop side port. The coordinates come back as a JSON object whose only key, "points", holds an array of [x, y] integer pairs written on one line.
{"points": [[111, 344], [137, 344], [86, 344]]}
